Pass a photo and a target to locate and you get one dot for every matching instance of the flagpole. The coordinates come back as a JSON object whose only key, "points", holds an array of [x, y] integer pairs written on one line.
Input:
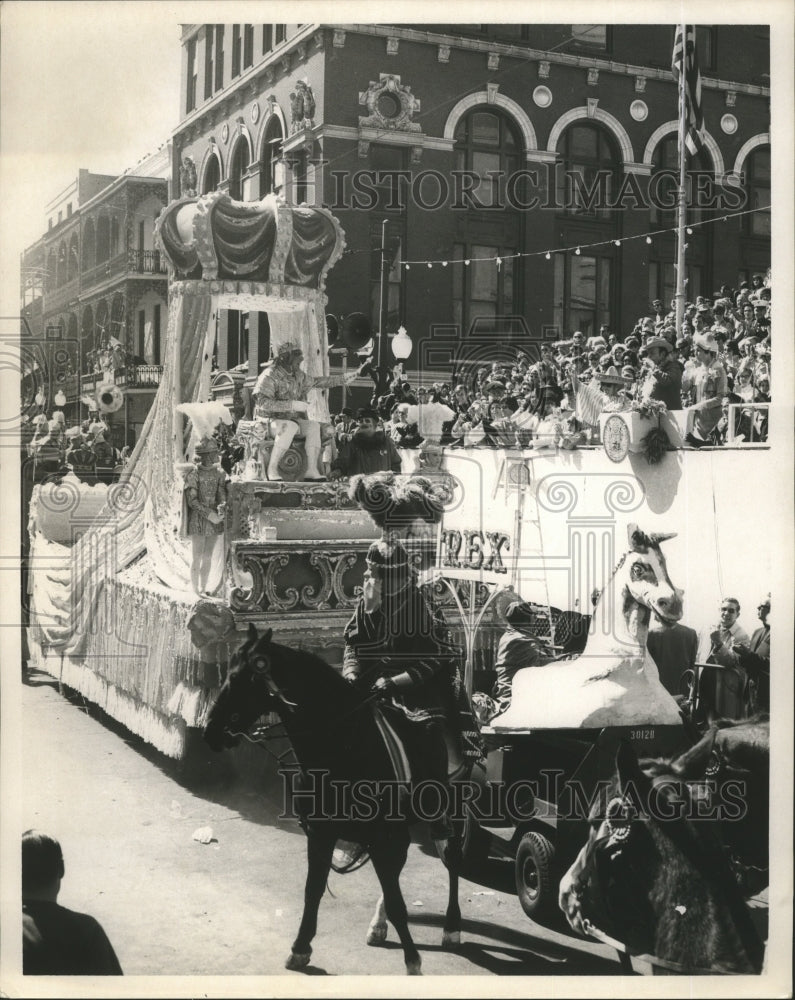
{"points": [[682, 197]]}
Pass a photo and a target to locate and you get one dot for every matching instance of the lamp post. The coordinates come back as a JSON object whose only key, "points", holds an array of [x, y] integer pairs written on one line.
{"points": [[382, 360]]}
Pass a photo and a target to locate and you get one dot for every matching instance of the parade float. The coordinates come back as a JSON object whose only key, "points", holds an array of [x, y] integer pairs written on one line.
{"points": [[115, 614]]}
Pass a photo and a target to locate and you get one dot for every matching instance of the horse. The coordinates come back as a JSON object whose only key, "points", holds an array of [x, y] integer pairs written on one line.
{"points": [[614, 682], [337, 739], [732, 757], [653, 879]]}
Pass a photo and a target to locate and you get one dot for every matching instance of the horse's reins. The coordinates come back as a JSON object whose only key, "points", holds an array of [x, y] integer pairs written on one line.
{"points": [[592, 931], [262, 739], [600, 935]]}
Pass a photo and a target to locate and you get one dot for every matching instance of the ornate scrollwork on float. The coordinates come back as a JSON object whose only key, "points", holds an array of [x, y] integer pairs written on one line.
{"points": [[317, 598], [291, 578], [345, 562]]}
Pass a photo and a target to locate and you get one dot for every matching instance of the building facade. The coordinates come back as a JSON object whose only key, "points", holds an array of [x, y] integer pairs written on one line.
{"points": [[523, 176], [94, 293]]}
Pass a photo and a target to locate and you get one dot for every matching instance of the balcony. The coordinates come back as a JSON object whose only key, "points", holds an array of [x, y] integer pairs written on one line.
{"points": [[57, 298], [104, 270], [146, 262], [139, 376], [129, 377]]}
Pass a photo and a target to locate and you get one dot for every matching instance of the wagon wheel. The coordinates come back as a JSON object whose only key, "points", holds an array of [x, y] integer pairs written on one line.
{"points": [[536, 881]]}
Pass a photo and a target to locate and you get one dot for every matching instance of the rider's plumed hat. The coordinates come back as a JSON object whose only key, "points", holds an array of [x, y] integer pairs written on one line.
{"points": [[393, 501]]}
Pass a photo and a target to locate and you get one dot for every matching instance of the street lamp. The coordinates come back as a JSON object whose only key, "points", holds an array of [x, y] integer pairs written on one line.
{"points": [[401, 344]]}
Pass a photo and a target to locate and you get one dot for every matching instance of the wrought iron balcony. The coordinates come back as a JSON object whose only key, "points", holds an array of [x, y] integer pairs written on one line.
{"points": [[146, 262]]}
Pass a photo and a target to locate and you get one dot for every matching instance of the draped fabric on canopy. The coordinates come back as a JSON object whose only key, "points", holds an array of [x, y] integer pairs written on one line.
{"points": [[265, 256]]}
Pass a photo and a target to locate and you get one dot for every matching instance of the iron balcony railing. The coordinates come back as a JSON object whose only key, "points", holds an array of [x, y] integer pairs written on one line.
{"points": [[146, 262]]}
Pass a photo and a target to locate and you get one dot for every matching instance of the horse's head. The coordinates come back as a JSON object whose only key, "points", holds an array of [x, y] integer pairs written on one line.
{"points": [[607, 885], [728, 769], [646, 579], [251, 688], [653, 875]]}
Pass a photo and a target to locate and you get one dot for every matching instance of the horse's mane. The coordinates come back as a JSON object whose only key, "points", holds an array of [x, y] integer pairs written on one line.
{"points": [[310, 663]]}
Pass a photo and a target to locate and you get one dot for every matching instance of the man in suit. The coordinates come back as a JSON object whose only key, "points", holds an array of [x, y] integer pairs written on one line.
{"points": [[724, 689], [755, 659]]}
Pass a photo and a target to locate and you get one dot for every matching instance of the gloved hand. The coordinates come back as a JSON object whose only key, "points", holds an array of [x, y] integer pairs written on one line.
{"points": [[383, 686]]}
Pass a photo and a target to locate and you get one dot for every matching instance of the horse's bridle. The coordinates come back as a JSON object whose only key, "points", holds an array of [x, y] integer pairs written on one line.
{"points": [[617, 835]]}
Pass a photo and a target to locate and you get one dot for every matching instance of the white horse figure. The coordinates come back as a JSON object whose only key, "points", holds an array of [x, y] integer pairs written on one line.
{"points": [[614, 682]]}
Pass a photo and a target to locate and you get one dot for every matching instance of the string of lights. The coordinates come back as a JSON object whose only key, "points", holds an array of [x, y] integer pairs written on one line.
{"points": [[549, 253]]}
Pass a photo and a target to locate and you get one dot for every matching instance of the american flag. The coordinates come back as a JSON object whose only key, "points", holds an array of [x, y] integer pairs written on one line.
{"points": [[694, 116]]}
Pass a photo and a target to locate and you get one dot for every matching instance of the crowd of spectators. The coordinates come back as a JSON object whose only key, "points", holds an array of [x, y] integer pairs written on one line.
{"points": [[84, 449], [720, 357]]}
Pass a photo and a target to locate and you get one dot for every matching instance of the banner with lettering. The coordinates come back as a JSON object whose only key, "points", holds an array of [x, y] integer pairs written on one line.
{"points": [[479, 537]]}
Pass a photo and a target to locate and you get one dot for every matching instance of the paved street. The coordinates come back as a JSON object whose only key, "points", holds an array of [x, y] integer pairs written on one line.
{"points": [[125, 817]]}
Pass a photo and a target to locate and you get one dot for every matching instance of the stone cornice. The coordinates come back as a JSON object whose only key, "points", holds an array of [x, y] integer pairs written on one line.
{"points": [[503, 49]]}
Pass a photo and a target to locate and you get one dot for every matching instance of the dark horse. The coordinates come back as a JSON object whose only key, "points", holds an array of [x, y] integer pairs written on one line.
{"points": [[656, 879], [732, 758], [339, 746]]}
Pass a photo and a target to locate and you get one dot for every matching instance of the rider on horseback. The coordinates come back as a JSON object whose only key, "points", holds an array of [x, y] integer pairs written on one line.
{"points": [[397, 646]]}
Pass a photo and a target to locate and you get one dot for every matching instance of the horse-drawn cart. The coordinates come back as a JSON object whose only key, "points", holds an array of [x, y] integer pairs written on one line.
{"points": [[538, 787]]}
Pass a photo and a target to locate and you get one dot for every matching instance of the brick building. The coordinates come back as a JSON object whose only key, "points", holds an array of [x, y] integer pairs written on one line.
{"points": [[406, 125]]}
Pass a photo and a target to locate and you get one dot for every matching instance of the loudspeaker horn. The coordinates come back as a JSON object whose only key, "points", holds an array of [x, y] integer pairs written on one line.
{"points": [[332, 328], [356, 330], [109, 397]]}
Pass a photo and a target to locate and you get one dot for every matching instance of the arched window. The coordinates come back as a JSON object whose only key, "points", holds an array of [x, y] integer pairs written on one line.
{"points": [[103, 238], [664, 183], [756, 177], [72, 262], [269, 179], [87, 339], [60, 269], [52, 267], [89, 246], [238, 165], [115, 235], [488, 144], [212, 175], [589, 175]]}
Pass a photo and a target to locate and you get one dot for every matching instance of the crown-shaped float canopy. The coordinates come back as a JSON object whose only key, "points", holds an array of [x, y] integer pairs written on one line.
{"points": [[215, 238]]}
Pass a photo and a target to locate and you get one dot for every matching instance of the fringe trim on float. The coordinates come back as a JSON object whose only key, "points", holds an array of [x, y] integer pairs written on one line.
{"points": [[140, 643], [166, 735], [192, 704]]}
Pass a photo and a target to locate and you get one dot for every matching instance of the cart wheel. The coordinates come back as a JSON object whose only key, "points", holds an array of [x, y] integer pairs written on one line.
{"points": [[475, 844], [536, 883]]}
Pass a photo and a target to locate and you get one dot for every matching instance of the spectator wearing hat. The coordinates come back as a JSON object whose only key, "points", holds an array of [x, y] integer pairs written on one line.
{"points": [[79, 456], [662, 374], [366, 449], [707, 384], [519, 647], [280, 397], [397, 647]]}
